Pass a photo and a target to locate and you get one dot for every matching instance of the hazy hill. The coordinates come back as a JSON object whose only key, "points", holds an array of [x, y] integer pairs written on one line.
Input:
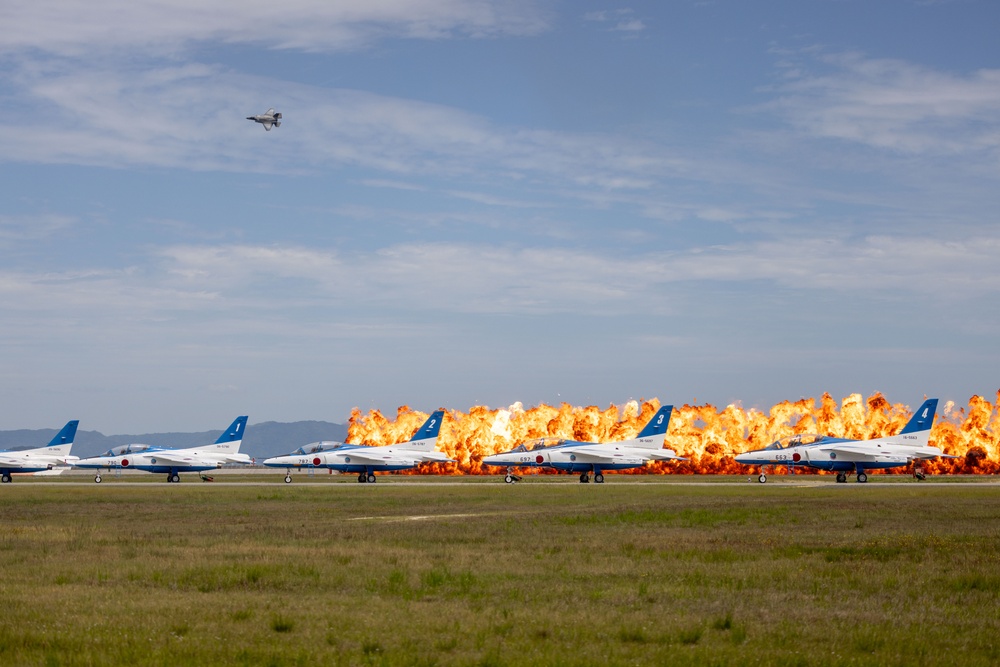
{"points": [[262, 440]]}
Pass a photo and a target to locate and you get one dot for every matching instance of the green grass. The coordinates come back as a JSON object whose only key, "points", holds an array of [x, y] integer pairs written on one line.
{"points": [[490, 574]]}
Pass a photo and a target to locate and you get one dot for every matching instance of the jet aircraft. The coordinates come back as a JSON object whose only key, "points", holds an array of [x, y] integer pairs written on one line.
{"points": [[267, 119], [38, 459], [156, 459], [365, 460], [844, 456], [591, 457]]}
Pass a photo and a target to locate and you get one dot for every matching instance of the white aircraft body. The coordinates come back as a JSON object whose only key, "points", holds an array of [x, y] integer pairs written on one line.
{"points": [[589, 458], [844, 456], [40, 459], [267, 119], [156, 459], [365, 460]]}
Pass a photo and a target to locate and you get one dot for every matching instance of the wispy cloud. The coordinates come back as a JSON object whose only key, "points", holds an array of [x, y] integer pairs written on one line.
{"points": [[622, 20], [167, 26], [892, 104]]}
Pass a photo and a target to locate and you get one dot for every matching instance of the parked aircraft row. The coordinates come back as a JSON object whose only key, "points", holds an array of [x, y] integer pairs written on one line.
{"points": [[838, 455]]}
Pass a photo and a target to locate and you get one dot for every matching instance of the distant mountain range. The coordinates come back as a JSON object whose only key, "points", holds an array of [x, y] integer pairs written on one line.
{"points": [[262, 440]]}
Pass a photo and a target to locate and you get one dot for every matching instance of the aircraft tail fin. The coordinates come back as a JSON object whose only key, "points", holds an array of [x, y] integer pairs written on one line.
{"points": [[659, 423], [66, 435], [277, 123], [62, 443], [425, 439], [232, 437], [922, 418], [651, 436]]}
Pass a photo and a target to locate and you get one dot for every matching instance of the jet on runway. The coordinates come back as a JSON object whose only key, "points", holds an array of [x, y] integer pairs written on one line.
{"points": [[365, 460], [844, 456], [38, 459], [267, 119], [153, 458], [589, 458]]}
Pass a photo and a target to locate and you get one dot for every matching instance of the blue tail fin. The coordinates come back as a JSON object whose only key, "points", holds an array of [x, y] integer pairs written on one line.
{"points": [[430, 428], [922, 418], [234, 432], [658, 424], [66, 435]]}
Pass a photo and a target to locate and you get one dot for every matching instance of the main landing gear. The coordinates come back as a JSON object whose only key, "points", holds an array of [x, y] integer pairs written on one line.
{"points": [[598, 477], [842, 477], [368, 478], [5, 478], [173, 477], [510, 477]]}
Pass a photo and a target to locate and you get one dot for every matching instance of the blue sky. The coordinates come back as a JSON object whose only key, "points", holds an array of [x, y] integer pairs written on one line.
{"points": [[474, 202]]}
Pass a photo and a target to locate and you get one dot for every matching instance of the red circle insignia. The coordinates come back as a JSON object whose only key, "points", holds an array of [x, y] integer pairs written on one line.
{"points": [[539, 459], [316, 461], [124, 463], [796, 457]]}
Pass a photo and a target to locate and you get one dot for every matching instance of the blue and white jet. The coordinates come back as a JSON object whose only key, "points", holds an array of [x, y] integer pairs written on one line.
{"points": [[40, 459], [365, 460], [844, 456], [589, 458], [169, 461]]}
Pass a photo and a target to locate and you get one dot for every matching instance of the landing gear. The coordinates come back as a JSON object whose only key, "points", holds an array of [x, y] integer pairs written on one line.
{"points": [[584, 478], [362, 478], [841, 477], [510, 477], [862, 478], [288, 478], [762, 479], [371, 478], [97, 479], [598, 478], [173, 477], [5, 478]]}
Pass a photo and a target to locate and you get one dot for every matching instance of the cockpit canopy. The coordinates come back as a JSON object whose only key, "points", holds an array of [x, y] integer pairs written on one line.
{"points": [[540, 443], [316, 447], [797, 441], [134, 448]]}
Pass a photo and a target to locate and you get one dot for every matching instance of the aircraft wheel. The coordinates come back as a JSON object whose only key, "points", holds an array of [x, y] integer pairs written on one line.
{"points": [[584, 478], [362, 479], [175, 478], [599, 478], [862, 478], [371, 478], [762, 478], [841, 478], [508, 479], [288, 479], [5, 478], [97, 479]]}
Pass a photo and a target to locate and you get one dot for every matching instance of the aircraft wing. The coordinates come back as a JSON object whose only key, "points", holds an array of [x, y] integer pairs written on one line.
{"points": [[16, 462], [434, 457], [361, 458], [182, 459], [591, 455], [664, 455], [267, 125]]}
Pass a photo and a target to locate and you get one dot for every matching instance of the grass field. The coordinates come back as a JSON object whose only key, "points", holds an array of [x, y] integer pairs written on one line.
{"points": [[484, 573]]}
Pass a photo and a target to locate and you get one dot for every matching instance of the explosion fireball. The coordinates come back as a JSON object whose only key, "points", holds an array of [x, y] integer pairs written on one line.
{"points": [[708, 436]]}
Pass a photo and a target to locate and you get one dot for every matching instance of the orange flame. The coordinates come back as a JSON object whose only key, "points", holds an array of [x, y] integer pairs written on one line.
{"points": [[709, 437]]}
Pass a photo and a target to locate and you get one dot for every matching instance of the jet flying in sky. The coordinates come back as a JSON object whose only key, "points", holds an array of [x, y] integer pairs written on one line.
{"points": [[589, 458], [844, 456], [267, 119]]}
